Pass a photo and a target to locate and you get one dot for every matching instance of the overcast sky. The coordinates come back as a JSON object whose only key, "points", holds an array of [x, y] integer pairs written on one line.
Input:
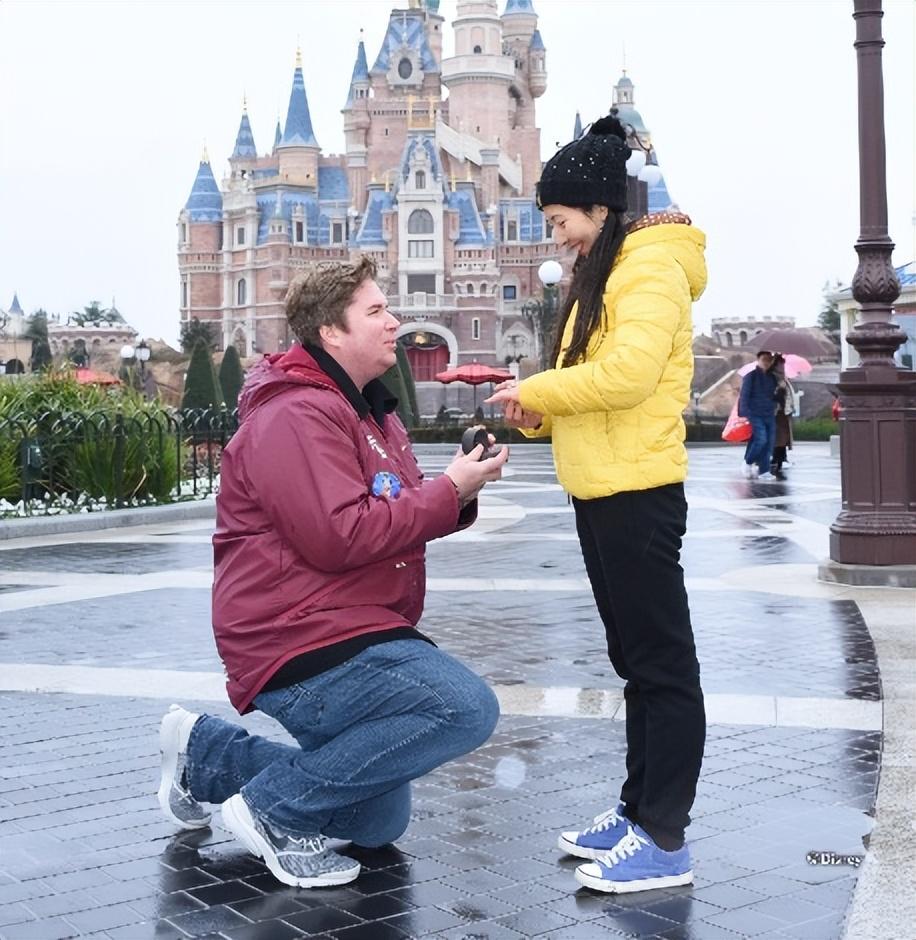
{"points": [[105, 108]]}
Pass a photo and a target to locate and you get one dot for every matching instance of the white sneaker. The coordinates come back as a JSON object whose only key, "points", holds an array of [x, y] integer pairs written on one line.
{"points": [[299, 861], [766, 478], [174, 795]]}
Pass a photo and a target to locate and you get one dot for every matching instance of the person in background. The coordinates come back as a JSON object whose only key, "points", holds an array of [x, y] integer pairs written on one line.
{"points": [[757, 403], [785, 409]]}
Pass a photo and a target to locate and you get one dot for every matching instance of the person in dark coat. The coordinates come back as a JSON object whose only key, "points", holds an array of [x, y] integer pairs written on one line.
{"points": [[785, 409], [322, 519], [757, 403]]}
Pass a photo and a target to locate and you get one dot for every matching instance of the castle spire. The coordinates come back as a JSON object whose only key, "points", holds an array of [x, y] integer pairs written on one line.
{"points": [[205, 204], [577, 129], [360, 76], [14, 306], [278, 134], [244, 141], [298, 131]]}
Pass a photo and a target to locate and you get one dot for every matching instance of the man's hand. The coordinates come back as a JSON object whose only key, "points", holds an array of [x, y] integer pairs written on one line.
{"points": [[470, 474]]}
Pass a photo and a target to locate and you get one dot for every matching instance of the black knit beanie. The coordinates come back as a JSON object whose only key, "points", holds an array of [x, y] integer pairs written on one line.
{"points": [[589, 171]]}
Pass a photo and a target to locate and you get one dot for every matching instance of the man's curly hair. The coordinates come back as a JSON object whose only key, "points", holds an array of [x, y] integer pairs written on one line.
{"points": [[319, 295]]}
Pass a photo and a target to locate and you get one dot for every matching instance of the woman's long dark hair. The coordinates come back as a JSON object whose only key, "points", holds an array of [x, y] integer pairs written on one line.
{"points": [[590, 276]]}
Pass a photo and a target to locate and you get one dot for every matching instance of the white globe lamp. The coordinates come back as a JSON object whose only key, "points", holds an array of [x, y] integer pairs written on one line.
{"points": [[550, 272], [650, 175], [636, 162]]}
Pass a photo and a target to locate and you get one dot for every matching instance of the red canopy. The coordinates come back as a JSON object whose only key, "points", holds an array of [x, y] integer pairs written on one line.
{"points": [[474, 374]]}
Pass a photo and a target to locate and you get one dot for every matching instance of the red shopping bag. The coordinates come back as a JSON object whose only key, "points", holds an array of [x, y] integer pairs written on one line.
{"points": [[736, 429]]}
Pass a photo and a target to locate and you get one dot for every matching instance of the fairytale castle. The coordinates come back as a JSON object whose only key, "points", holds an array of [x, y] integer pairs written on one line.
{"points": [[439, 192]]}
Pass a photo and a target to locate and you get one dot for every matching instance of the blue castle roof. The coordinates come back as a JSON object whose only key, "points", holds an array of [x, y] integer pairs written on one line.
{"points": [[14, 307], [577, 127], [518, 6], [205, 204], [405, 28], [332, 184], [298, 130], [370, 232], [537, 43], [906, 275], [278, 135], [244, 141], [470, 228]]}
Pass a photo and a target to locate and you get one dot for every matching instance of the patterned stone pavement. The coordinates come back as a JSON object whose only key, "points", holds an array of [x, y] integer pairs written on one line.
{"points": [[100, 630]]}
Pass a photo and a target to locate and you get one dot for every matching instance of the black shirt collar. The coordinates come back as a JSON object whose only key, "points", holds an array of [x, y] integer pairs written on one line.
{"points": [[374, 398]]}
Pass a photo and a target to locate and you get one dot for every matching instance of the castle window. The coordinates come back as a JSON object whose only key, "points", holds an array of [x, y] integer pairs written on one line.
{"points": [[420, 179], [420, 221], [242, 292], [300, 232], [511, 230], [477, 50], [386, 131], [420, 248], [509, 292], [184, 232], [548, 229], [470, 289], [184, 292], [405, 68], [475, 328], [483, 289], [337, 233], [240, 235]]}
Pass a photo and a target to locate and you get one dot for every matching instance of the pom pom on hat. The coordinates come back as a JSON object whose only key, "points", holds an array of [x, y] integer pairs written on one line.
{"points": [[590, 170], [608, 125]]}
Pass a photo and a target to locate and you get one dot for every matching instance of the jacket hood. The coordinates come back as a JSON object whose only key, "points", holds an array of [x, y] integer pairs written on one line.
{"points": [[277, 373], [686, 242]]}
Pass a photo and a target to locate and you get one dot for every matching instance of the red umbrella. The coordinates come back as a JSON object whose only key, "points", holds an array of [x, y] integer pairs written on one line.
{"points": [[91, 377], [473, 373], [790, 341]]}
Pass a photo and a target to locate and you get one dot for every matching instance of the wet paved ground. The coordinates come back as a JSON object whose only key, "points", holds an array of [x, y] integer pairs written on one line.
{"points": [[117, 621]]}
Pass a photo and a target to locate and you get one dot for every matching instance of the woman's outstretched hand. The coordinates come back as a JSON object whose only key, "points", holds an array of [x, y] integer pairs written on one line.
{"points": [[507, 395]]}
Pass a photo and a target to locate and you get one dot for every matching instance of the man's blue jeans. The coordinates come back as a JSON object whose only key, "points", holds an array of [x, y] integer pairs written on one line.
{"points": [[365, 729], [760, 447]]}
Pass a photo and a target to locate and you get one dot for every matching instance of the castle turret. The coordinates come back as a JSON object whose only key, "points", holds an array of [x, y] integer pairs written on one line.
{"points": [[577, 127], [200, 236], [298, 149], [356, 126], [479, 75]]}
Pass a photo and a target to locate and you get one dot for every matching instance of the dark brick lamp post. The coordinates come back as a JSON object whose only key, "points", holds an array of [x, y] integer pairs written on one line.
{"points": [[873, 540]]}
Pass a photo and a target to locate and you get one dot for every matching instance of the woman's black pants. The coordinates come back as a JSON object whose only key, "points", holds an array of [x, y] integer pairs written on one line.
{"points": [[631, 544]]}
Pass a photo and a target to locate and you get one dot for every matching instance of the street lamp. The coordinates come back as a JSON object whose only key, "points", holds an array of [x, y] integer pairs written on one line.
{"points": [[877, 525], [541, 313], [143, 354]]}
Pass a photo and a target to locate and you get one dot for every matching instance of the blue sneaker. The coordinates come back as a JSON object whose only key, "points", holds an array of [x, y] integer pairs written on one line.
{"points": [[636, 863], [604, 833]]}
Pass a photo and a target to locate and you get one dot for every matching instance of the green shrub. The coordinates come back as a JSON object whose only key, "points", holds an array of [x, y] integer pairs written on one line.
{"points": [[201, 386], [86, 442], [814, 429], [231, 377]]}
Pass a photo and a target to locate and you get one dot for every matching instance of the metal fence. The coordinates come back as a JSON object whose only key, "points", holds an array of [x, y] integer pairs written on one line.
{"points": [[71, 461]]}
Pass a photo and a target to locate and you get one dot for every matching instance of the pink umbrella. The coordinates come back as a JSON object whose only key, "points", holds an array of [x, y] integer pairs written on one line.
{"points": [[795, 366]]}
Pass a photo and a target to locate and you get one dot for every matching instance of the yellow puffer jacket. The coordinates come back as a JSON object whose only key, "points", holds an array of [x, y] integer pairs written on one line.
{"points": [[615, 418]]}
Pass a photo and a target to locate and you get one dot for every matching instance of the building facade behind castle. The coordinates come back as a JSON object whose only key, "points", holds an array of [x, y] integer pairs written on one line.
{"points": [[439, 191]]}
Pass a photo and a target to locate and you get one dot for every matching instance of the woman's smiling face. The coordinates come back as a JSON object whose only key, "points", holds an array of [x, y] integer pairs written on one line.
{"points": [[575, 229]]}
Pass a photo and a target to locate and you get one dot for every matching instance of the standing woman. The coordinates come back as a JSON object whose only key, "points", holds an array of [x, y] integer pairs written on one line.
{"points": [[613, 406], [785, 409]]}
